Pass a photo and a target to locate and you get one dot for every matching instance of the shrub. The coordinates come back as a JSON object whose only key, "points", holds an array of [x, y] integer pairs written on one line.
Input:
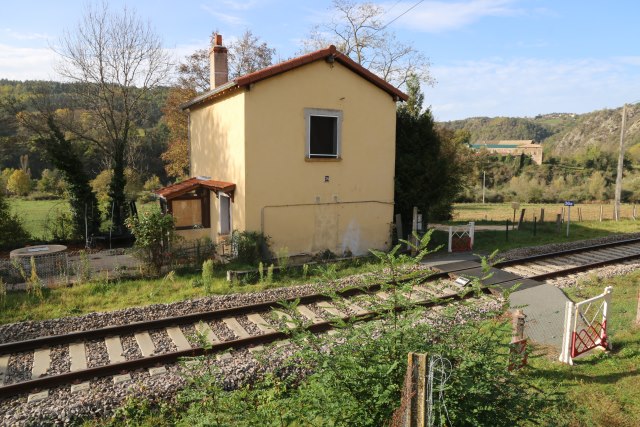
{"points": [[61, 227], [154, 233], [12, 232], [250, 247], [207, 271], [19, 183]]}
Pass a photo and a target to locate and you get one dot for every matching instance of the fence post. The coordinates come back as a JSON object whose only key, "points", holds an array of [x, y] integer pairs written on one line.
{"points": [[541, 215], [399, 226], [600, 213], [507, 231], [450, 237], [633, 214], [472, 232], [535, 223], [558, 222], [521, 218], [580, 214], [414, 229], [417, 375]]}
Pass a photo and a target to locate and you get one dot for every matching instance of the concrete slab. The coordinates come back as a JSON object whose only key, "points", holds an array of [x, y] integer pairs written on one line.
{"points": [[442, 258], [117, 379], [78, 357], [178, 338], [41, 362], [114, 349], [309, 314], [544, 307], [158, 370], [449, 267], [77, 388], [495, 275], [236, 327], [357, 309], [330, 308], [4, 367], [284, 316], [37, 397], [260, 323], [147, 348], [205, 329]]}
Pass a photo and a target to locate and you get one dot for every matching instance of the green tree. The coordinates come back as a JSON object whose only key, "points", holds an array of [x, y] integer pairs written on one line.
{"points": [[429, 171], [116, 62], [82, 200], [413, 106]]}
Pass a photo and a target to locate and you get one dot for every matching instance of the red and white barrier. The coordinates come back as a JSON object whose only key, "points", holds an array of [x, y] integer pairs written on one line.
{"points": [[585, 326]]}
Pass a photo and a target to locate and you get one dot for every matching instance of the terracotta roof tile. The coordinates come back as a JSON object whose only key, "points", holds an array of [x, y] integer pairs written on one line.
{"points": [[176, 190], [295, 63]]}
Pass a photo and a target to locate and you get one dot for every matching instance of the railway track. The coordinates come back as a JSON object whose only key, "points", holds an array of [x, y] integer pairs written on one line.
{"points": [[30, 366]]}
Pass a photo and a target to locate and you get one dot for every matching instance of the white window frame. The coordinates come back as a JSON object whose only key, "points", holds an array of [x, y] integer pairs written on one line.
{"points": [[320, 112], [220, 196]]}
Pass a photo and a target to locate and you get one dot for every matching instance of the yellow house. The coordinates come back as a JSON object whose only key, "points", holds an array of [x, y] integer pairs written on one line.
{"points": [[302, 151]]}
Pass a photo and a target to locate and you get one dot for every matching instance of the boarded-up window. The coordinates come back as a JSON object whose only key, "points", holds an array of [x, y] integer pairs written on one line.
{"points": [[187, 213]]}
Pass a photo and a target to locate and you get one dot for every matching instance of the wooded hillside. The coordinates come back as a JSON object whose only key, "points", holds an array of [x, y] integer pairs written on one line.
{"points": [[561, 134]]}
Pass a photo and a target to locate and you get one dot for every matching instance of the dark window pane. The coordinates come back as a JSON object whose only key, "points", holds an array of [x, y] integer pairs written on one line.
{"points": [[323, 136]]}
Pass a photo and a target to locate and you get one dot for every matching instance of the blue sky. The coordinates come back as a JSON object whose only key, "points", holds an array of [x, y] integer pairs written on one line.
{"points": [[489, 57]]}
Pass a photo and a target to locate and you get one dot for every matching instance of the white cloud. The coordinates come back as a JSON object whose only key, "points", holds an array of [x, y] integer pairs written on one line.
{"points": [[23, 36], [529, 86], [438, 16], [22, 63], [224, 17], [240, 5]]}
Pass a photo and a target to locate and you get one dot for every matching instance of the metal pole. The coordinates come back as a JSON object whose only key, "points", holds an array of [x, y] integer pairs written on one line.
{"points": [[484, 177], [620, 165]]}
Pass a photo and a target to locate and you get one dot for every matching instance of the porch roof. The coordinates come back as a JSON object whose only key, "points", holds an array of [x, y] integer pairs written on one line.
{"points": [[177, 190]]}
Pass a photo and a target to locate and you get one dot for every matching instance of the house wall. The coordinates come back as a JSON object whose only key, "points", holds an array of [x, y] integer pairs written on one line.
{"points": [[217, 150], [286, 195]]}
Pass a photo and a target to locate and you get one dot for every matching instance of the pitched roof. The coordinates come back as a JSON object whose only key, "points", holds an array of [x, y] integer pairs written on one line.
{"points": [[176, 190], [330, 54]]}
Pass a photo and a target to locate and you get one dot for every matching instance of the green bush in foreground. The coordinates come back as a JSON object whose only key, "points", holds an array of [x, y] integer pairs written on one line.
{"points": [[355, 378]]}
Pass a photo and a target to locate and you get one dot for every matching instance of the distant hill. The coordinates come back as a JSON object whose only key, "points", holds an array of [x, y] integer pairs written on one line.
{"points": [[561, 134]]}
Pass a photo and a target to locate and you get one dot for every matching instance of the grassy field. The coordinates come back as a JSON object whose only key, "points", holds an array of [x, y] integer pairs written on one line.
{"points": [[492, 212], [101, 295], [602, 388], [35, 213]]}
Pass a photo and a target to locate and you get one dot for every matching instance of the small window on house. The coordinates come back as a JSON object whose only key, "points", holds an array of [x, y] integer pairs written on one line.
{"points": [[323, 133]]}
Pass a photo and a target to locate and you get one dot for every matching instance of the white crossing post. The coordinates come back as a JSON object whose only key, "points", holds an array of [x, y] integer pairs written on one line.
{"points": [[565, 352], [450, 237], [472, 230]]}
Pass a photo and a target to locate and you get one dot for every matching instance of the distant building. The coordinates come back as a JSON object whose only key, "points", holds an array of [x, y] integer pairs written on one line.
{"points": [[513, 147]]}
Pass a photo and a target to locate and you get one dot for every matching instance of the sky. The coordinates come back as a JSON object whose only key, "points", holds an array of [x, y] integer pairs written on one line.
{"points": [[488, 57]]}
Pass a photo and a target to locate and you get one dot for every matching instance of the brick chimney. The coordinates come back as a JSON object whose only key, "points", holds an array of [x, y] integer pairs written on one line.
{"points": [[219, 69]]}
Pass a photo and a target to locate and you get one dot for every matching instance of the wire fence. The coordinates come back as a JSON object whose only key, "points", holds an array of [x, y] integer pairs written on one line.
{"points": [[63, 268]]}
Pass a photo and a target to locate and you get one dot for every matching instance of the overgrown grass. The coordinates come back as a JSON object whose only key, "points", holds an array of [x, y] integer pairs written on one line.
{"points": [[602, 388], [104, 295]]}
